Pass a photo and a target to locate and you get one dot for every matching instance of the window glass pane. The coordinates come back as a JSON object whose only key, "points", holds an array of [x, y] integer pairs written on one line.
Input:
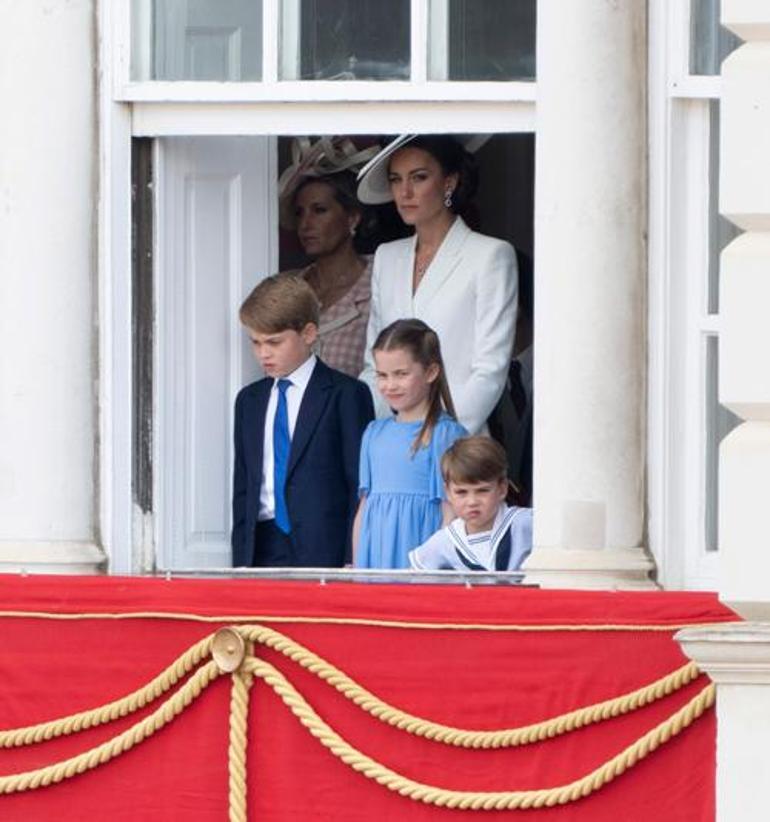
{"points": [[719, 423], [345, 40], [482, 39], [196, 40], [721, 231], [710, 43]]}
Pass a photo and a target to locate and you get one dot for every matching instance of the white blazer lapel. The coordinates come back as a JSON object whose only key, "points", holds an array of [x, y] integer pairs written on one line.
{"points": [[444, 263], [404, 301]]}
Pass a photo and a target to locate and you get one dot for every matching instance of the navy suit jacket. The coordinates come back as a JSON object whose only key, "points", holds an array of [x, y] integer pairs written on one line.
{"points": [[322, 476]]}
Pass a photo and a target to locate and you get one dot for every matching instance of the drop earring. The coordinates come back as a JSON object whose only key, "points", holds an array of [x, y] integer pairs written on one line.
{"points": [[448, 198]]}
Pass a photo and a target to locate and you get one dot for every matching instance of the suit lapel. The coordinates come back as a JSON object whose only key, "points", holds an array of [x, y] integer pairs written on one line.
{"points": [[444, 263], [256, 420], [312, 406]]}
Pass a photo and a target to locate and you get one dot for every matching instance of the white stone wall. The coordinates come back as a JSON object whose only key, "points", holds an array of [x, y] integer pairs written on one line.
{"points": [[48, 367], [737, 658], [744, 378]]}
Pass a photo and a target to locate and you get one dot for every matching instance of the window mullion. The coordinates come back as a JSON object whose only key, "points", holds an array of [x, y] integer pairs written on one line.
{"points": [[122, 39], [419, 41], [271, 31], [679, 41], [438, 45]]}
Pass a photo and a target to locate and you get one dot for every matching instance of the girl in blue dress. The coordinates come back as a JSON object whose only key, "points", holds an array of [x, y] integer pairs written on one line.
{"points": [[402, 491]]}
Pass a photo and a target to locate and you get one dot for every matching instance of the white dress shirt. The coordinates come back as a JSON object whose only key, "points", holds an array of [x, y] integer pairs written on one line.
{"points": [[299, 379]]}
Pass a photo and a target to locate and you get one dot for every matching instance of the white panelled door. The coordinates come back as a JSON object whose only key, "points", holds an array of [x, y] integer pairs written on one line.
{"points": [[217, 224]]}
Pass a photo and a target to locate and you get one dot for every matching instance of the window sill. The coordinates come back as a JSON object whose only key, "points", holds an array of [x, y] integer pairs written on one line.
{"points": [[316, 91]]}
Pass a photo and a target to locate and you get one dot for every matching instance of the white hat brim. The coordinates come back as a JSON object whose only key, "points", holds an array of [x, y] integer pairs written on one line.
{"points": [[373, 185]]}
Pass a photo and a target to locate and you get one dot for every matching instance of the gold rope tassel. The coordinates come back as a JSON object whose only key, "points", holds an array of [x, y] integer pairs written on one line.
{"points": [[460, 737], [478, 800], [145, 728]]}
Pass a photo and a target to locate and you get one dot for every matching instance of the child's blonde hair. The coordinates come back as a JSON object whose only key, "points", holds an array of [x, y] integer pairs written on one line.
{"points": [[474, 459], [280, 303], [422, 343]]}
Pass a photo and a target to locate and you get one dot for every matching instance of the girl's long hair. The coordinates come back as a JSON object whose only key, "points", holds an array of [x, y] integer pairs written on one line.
{"points": [[422, 343]]}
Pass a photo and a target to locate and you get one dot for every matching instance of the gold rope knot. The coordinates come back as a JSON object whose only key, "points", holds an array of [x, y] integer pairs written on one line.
{"points": [[228, 650]]}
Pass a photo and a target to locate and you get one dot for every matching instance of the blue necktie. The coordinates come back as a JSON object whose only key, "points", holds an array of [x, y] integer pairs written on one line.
{"points": [[281, 448]]}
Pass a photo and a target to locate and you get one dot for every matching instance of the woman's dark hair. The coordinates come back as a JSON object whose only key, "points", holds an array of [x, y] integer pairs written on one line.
{"points": [[422, 343], [453, 159]]}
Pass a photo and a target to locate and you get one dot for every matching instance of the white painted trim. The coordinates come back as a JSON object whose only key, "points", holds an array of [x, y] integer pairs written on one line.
{"points": [[702, 564], [140, 56], [195, 119], [710, 323], [272, 216], [314, 91], [272, 32], [115, 44], [678, 322], [438, 44], [696, 86], [160, 540], [693, 257], [659, 515], [680, 82], [51, 557], [114, 300], [699, 564], [418, 41], [678, 38]]}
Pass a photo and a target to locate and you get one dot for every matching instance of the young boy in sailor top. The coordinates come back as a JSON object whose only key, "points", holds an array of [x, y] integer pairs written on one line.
{"points": [[487, 535]]}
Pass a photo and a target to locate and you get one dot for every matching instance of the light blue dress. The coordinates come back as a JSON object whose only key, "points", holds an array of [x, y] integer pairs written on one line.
{"points": [[403, 490]]}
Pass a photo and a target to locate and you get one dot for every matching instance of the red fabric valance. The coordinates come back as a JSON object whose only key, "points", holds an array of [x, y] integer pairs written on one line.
{"points": [[426, 649]]}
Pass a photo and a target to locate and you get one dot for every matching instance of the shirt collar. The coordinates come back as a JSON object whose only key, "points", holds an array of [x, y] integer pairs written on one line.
{"points": [[300, 377]]}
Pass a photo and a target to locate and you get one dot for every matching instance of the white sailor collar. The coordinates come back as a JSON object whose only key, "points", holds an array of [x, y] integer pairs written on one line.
{"points": [[463, 541]]}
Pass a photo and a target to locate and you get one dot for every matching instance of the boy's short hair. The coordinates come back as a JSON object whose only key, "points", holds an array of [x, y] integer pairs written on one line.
{"points": [[280, 303], [474, 459]]}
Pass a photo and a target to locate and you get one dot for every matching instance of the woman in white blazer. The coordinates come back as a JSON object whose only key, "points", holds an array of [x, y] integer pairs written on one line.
{"points": [[461, 283]]}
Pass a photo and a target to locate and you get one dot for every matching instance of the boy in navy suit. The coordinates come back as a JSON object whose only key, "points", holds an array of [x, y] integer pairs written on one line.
{"points": [[297, 438]]}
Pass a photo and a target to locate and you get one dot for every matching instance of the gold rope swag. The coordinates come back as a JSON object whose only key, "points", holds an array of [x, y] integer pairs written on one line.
{"points": [[231, 650]]}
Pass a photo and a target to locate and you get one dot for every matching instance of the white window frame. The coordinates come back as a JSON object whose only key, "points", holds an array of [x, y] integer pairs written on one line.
{"points": [[156, 109], [679, 324], [271, 89]]}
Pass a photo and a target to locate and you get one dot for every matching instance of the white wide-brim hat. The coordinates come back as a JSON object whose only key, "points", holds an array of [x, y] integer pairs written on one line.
{"points": [[373, 185]]}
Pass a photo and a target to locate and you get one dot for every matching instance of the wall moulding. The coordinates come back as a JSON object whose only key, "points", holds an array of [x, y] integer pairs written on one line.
{"points": [[55, 557]]}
